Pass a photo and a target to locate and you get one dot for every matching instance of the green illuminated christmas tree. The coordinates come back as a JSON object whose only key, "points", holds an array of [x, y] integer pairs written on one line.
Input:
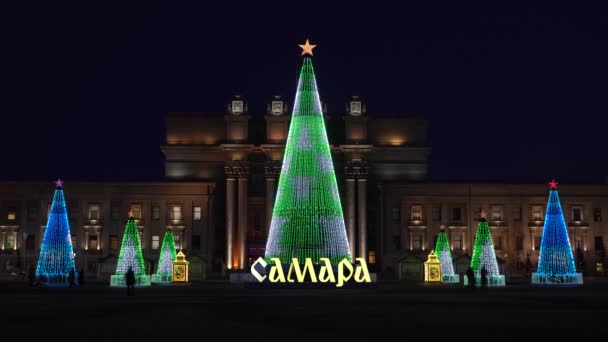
{"points": [[483, 250], [307, 220], [164, 272], [130, 257], [442, 250]]}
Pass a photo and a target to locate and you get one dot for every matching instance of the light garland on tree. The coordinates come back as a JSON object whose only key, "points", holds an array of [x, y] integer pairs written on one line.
{"points": [[442, 250], [555, 262], [307, 219], [164, 272], [56, 258], [130, 257], [483, 250]]}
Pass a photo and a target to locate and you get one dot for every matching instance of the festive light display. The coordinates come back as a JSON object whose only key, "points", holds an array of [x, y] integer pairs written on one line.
{"points": [[57, 254], [130, 256], [307, 220], [442, 250], [555, 262], [484, 256], [164, 272]]}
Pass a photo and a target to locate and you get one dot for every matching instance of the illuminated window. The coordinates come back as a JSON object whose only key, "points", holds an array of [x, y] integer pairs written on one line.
{"points": [[12, 214], [156, 213], [497, 213], [371, 256], [155, 241], [597, 214], [94, 212], [136, 210], [416, 242], [197, 213], [176, 212], [114, 242], [416, 213], [178, 241], [457, 242], [93, 243], [10, 241], [537, 213], [577, 214], [599, 266]]}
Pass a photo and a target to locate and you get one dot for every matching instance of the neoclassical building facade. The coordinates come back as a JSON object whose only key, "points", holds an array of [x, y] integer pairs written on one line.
{"points": [[222, 171]]}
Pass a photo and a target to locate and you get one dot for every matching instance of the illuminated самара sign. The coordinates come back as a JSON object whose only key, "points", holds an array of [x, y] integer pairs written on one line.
{"points": [[346, 271]]}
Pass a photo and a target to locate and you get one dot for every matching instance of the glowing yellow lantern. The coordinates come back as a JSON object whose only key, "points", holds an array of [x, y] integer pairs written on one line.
{"points": [[432, 269], [180, 268]]}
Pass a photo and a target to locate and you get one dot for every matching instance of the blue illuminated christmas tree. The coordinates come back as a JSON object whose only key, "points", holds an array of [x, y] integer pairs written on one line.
{"points": [[57, 254], [555, 262]]}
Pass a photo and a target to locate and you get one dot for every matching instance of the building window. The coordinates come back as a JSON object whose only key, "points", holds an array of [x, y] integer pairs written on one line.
{"points": [[599, 267], [537, 213], [578, 242], [93, 243], [416, 242], [457, 242], [577, 214], [196, 242], [12, 214], [517, 214], [436, 213], [457, 214], [497, 242], [178, 241], [197, 212], [416, 213], [30, 242], [537, 243], [155, 241], [497, 213], [477, 214], [176, 212], [136, 211], [519, 243], [94, 212], [371, 257], [395, 215], [10, 241], [597, 215], [156, 213], [114, 242], [115, 213]]}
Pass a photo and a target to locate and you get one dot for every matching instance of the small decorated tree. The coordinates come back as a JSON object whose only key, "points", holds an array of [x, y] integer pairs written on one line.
{"points": [[164, 272]]}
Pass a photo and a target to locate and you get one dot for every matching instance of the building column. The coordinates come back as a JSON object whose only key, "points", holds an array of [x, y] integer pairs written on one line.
{"points": [[272, 174], [362, 207], [98, 240], [411, 238], [350, 209], [463, 244], [242, 217], [230, 188]]}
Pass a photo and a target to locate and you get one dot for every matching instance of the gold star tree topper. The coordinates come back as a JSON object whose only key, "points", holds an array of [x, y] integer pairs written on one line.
{"points": [[307, 48]]}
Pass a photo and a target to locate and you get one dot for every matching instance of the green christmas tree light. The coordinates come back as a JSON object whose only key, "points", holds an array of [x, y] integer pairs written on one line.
{"points": [[307, 220], [442, 250], [484, 256], [130, 257], [164, 273]]}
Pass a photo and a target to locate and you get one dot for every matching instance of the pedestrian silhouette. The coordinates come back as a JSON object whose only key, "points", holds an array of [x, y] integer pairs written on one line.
{"points": [[471, 277], [72, 278], [484, 278], [130, 280]]}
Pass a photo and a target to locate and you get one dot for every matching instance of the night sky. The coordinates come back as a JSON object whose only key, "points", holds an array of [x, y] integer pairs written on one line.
{"points": [[513, 94]]}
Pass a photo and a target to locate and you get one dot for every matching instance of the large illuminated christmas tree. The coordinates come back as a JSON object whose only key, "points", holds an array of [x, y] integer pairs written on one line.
{"points": [[130, 257], [555, 262], [57, 254], [307, 220], [164, 272], [484, 256], [442, 250]]}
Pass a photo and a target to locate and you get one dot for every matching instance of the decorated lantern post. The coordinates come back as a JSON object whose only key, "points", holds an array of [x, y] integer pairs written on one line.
{"points": [[180, 268], [432, 269]]}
